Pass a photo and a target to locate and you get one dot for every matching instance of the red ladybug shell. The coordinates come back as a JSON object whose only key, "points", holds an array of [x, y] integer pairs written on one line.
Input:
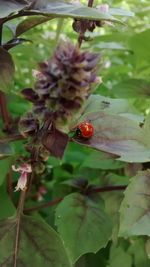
{"points": [[85, 129]]}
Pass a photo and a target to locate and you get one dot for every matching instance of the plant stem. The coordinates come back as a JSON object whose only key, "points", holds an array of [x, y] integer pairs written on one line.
{"points": [[93, 190], [90, 3], [60, 23], [3, 103], [81, 35], [10, 183], [108, 188], [45, 205], [1, 30], [4, 111], [7, 139], [19, 214]]}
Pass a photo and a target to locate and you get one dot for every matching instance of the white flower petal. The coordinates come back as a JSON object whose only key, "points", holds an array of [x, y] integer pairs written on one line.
{"points": [[22, 182], [15, 169]]}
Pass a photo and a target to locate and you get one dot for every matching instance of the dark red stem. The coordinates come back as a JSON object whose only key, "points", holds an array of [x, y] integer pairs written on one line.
{"points": [[81, 35], [94, 190], [4, 111], [10, 183], [45, 205], [108, 188], [11, 138], [90, 3]]}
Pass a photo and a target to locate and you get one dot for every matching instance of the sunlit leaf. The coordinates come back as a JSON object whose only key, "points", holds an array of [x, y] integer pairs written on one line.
{"points": [[135, 209], [121, 12], [139, 43], [111, 45], [132, 88], [110, 105], [10, 6], [64, 9]]}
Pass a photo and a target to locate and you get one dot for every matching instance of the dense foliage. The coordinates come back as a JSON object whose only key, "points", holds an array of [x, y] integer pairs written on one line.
{"points": [[72, 195]]}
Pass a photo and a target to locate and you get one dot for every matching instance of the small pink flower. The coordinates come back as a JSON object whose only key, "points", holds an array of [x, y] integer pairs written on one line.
{"points": [[37, 74], [24, 169], [41, 192], [103, 8]]}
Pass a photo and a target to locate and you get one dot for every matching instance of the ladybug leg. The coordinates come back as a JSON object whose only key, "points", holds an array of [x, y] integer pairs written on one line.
{"points": [[78, 132]]}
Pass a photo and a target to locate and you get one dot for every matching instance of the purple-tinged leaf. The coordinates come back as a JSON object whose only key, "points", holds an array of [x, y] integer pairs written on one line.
{"points": [[39, 245], [30, 94], [64, 9], [55, 142], [8, 7], [118, 135], [29, 23], [7, 70]]}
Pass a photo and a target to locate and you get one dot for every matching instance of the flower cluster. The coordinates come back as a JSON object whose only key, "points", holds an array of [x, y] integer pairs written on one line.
{"points": [[63, 83]]}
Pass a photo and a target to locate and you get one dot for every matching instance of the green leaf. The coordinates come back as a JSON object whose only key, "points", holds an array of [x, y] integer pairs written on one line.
{"points": [[139, 43], [110, 105], [135, 208], [119, 257], [147, 247], [39, 245], [101, 160], [7, 70], [112, 204], [132, 88], [6, 206], [5, 150], [121, 12], [4, 169], [8, 7], [29, 23], [111, 45], [83, 225], [138, 251]]}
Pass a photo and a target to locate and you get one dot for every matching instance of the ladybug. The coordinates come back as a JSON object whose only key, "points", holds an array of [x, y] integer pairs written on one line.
{"points": [[85, 129]]}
